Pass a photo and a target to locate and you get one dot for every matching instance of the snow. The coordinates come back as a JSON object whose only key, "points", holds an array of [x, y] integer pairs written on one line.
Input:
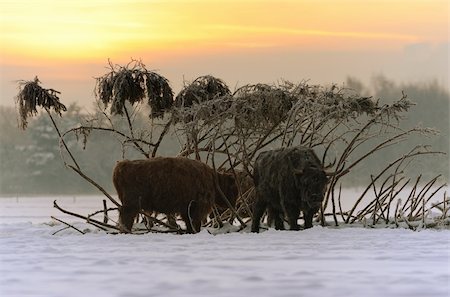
{"points": [[315, 262]]}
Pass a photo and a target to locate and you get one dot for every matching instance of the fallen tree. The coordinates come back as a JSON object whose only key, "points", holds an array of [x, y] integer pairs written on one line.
{"points": [[227, 130]]}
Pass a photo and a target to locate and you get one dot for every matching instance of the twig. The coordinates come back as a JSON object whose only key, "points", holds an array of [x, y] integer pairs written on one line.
{"points": [[216, 181], [130, 126], [96, 223], [333, 203], [409, 155], [68, 226], [105, 211], [396, 215], [61, 139], [160, 138]]}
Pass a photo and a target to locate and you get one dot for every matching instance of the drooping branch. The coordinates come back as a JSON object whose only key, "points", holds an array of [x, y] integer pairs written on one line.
{"points": [[133, 83], [31, 95]]}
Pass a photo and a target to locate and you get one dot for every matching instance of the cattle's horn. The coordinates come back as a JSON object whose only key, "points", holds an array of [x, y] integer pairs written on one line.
{"points": [[330, 173], [298, 171]]}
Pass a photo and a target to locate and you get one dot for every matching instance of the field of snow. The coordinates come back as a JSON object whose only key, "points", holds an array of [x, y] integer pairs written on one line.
{"points": [[315, 262]]}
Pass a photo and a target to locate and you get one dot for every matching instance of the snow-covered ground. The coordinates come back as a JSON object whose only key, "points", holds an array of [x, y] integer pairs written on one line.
{"points": [[315, 262]]}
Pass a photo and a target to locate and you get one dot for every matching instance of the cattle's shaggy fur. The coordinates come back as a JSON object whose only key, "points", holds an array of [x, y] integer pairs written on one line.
{"points": [[171, 186], [287, 181]]}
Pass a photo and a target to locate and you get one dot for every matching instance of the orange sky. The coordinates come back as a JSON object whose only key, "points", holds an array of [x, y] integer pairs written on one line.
{"points": [[66, 38]]}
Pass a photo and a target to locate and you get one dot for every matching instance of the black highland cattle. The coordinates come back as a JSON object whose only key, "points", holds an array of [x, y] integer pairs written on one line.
{"points": [[287, 181]]}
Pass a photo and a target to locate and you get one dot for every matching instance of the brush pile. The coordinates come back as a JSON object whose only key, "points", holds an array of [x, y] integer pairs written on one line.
{"points": [[31, 95]]}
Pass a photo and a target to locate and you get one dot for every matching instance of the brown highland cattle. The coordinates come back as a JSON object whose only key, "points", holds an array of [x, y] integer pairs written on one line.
{"points": [[171, 186]]}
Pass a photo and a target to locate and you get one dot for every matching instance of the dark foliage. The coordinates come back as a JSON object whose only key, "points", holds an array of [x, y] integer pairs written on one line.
{"points": [[32, 95], [133, 84], [159, 93], [204, 88]]}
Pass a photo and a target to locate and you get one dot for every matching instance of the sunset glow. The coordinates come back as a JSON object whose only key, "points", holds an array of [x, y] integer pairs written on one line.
{"points": [[69, 42], [97, 29]]}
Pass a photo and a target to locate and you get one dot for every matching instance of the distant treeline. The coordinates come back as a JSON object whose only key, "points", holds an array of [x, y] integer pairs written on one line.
{"points": [[30, 161], [431, 110]]}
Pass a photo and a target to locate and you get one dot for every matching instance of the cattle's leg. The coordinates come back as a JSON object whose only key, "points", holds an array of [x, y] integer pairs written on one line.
{"points": [[292, 213], [277, 216], [126, 218], [196, 225], [308, 217], [172, 221], [258, 210], [270, 217]]}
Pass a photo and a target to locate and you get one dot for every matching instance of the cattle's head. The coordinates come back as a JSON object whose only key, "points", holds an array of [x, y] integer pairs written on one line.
{"points": [[312, 183], [228, 186]]}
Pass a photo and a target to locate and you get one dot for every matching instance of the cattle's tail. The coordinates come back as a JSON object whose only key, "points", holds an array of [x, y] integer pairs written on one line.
{"points": [[190, 216]]}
